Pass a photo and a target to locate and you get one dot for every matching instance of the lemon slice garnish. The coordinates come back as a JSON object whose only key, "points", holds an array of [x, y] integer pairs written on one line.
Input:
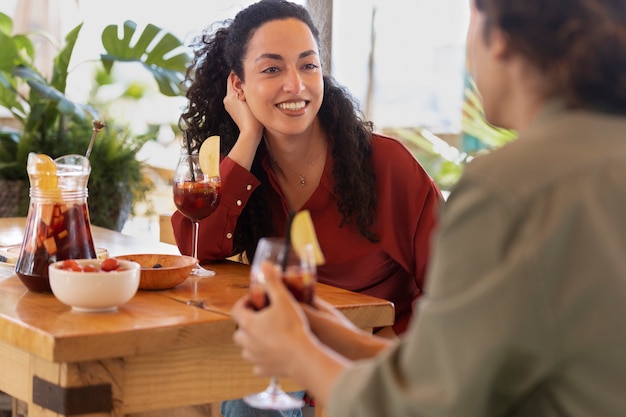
{"points": [[44, 170], [303, 233], [209, 156]]}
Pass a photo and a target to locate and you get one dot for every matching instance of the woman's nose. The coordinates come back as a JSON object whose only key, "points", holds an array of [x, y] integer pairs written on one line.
{"points": [[293, 82]]}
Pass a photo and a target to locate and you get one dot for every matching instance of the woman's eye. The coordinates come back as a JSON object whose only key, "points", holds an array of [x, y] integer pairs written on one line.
{"points": [[270, 70], [311, 66]]}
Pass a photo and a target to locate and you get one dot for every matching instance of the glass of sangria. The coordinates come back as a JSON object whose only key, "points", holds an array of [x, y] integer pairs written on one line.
{"points": [[196, 196], [299, 274]]}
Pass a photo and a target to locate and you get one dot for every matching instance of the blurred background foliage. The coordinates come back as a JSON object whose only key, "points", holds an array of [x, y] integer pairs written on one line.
{"points": [[46, 120], [445, 159]]}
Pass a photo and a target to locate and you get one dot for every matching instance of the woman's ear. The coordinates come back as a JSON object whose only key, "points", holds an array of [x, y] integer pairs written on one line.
{"points": [[236, 83], [500, 44]]}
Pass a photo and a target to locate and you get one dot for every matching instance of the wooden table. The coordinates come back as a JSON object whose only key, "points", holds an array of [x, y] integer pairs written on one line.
{"points": [[153, 353]]}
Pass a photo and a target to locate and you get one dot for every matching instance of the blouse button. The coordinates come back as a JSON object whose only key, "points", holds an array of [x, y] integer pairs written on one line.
{"points": [[239, 203], [229, 235], [248, 187]]}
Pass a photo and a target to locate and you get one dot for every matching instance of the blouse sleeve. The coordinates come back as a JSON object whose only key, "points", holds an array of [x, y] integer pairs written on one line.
{"points": [[409, 202], [216, 231]]}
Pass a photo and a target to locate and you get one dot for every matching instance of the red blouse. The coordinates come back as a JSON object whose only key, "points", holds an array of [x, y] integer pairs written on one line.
{"points": [[393, 268]]}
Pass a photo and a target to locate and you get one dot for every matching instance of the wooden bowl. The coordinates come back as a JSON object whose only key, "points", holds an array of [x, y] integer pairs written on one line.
{"points": [[161, 272]]}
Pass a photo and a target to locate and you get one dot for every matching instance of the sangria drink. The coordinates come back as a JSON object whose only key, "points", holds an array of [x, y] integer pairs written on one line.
{"points": [[197, 200], [196, 196], [57, 226], [299, 275], [300, 283]]}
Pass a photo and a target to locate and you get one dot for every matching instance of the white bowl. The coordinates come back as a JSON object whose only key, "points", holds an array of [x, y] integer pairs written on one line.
{"points": [[94, 291]]}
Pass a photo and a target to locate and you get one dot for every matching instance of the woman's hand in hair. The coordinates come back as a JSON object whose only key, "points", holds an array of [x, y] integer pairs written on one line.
{"points": [[250, 129]]}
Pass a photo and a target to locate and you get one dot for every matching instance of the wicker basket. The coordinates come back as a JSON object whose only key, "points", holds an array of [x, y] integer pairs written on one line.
{"points": [[11, 196]]}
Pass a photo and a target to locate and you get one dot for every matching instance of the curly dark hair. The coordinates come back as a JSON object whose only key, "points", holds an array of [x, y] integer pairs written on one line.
{"points": [[218, 52], [579, 44]]}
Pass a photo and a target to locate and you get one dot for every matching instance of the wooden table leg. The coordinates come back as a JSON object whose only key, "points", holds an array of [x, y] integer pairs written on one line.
{"points": [[76, 389]]}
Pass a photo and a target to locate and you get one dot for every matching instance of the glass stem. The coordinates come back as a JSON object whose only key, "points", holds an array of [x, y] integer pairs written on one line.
{"points": [[196, 226], [198, 271], [274, 387]]}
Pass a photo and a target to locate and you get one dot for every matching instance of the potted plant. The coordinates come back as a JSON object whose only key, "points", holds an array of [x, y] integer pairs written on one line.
{"points": [[47, 121]]}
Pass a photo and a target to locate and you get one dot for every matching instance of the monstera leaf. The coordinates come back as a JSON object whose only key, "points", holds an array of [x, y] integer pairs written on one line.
{"points": [[158, 51]]}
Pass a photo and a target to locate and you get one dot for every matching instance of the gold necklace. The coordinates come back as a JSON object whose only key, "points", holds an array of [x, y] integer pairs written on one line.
{"points": [[302, 177]]}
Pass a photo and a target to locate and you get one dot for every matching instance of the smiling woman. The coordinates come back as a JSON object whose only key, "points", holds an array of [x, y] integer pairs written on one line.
{"points": [[339, 165], [293, 139]]}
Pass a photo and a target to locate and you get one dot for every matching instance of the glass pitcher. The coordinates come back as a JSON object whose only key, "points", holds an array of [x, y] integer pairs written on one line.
{"points": [[57, 226]]}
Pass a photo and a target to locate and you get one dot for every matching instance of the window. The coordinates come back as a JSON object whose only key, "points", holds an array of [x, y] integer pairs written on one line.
{"points": [[417, 73]]}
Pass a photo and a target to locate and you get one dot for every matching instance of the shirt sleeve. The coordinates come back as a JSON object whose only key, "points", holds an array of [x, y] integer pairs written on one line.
{"points": [[216, 232], [479, 338]]}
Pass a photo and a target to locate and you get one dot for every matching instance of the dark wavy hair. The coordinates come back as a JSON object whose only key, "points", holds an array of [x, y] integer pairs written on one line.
{"points": [[222, 49], [579, 44]]}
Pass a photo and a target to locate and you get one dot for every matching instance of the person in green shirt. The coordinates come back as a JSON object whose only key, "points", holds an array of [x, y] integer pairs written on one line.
{"points": [[525, 293]]}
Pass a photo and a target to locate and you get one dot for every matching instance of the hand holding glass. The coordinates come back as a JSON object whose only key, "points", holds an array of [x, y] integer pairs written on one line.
{"points": [[299, 275]]}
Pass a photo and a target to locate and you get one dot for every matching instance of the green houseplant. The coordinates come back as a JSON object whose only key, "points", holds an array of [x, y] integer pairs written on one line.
{"points": [[47, 121]]}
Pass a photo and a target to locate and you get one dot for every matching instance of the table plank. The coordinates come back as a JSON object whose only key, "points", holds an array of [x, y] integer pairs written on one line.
{"points": [[42, 325], [232, 280]]}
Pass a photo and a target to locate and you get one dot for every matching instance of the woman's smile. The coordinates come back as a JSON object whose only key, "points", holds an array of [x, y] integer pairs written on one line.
{"points": [[293, 106]]}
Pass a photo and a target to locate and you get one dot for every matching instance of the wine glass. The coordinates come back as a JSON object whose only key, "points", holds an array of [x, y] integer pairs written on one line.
{"points": [[196, 196], [299, 275]]}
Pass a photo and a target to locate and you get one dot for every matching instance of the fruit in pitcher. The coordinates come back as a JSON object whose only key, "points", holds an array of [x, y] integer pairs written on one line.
{"points": [[46, 170]]}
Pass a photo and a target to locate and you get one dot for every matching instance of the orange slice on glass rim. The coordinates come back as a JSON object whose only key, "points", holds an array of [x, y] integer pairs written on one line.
{"points": [[303, 234], [209, 156]]}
